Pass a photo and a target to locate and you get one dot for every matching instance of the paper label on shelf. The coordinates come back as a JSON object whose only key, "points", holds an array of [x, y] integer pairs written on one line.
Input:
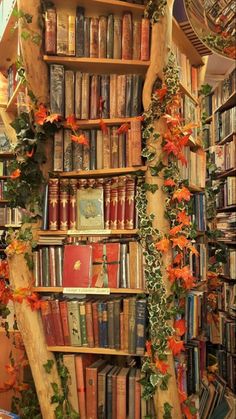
{"points": [[88, 232], [98, 291]]}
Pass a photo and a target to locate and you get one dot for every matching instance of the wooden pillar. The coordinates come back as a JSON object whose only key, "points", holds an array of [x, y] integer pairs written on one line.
{"points": [[161, 46]]}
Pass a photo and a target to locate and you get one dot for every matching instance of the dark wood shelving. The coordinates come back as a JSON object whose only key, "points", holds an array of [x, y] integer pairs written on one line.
{"points": [[227, 209], [227, 104], [227, 139], [103, 172], [226, 173]]}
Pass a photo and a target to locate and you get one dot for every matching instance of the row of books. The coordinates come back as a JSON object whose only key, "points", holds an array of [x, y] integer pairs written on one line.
{"points": [[198, 211], [104, 150], [98, 388], [195, 314], [92, 96], [198, 263], [195, 169], [97, 37], [107, 322], [225, 124], [206, 105], [4, 167], [229, 268], [90, 204], [226, 224], [109, 265], [224, 90], [226, 301], [11, 216], [215, 399], [227, 327], [188, 73], [223, 156], [207, 135], [227, 193], [226, 367]]}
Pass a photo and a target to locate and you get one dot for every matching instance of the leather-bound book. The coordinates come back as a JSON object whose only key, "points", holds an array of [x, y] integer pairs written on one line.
{"points": [[92, 149], [110, 325], [45, 208], [122, 331], [77, 155], [100, 325], [106, 264], [102, 37], [78, 92], [114, 391], [72, 203], [41, 267], [114, 148], [53, 204], [123, 266], [129, 203], [93, 37], [114, 203], [85, 95], [90, 209], [52, 266], [86, 151], [128, 151], [36, 269], [45, 266], [111, 393], [58, 151], [121, 88], [132, 326], [102, 384], [128, 95], [121, 203], [122, 150], [64, 204], [94, 96], [59, 265], [145, 39], [117, 304], [81, 362], [62, 33], [79, 32], [126, 323], [141, 313], [110, 35], [136, 50], [105, 89], [107, 149], [107, 202], [57, 322], [122, 391], [77, 265], [48, 325], [69, 92], [89, 323], [137, 394], [134, 263], [69, 362], [136, 141], [99, 150], [113, 95], [86, 36], [57, 89], [67, 151], [136, 95], [95, 323], [65, 321], [127, 36], [71, 35], [132, 379], [82, 317], [50, 31], [74, 322], [92, 388], [117, 37]]}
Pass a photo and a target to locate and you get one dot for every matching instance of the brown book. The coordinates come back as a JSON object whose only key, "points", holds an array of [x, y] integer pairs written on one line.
{"points": [[64, 322], [114, 147], [136, 141], [102, 37], [48, 325], [78, 92], [67, 151], [126, 323], [69, 362], [99, 150], [94, 96], [69, 92], [145, 39], [57, 77], [136, 50], [81, 363], [121, 390], [64, 204], [58, 151], [89, 324], [77, 155], [36, 269], [86, 152], [92, 388], [132, 379], [137, 395], [95, 323], [114, 203], [122, 343], [122, 150], [107, 149], [117, 37], [129, 203], [113, 95], [72, 203], [71, 35], [121, 203], [134, 264], [50, 31], [62, 33], [114, 374], [128, 149], [132, 325], [57, 322], [52, 266], [102, 391], [86, 36], [94, 37], [53, 203], [121, 89], [85, 96], [107, 201], [127, 37], [110, 35]]}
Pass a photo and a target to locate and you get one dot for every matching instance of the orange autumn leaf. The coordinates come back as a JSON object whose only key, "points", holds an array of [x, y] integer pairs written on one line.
{"points": [[161, 92], [162, 366], [187, 412], [182, 194], [178, 258], [123, 128], [169, 147], [40, 115], [71, 122], [181, 273], [193, 250], [181, 157], [180, 241], [53, 118], [163, 245], [176, 346], [15, 174], [80, 139], [103, 126], [180, 327], [140, 118], [16, 246], [169, 182], [183, 218], [182, 396], [175, 230], [171, 120], [149, 347], [10, 369]]}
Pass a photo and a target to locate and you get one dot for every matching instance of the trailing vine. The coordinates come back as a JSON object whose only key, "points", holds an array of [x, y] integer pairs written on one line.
{"points": [[155, 9]]}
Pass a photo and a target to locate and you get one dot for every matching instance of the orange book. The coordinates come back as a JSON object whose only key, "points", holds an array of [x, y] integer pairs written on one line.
{"points": [[89, 323], [92, 388], [81, 363], [145, 39], [121, 391]]}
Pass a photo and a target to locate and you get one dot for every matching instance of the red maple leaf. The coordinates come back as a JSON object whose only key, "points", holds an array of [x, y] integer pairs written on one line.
{"points": [[169, 182], [103, 127], [123, 128], [40, 115], [149, 347], [80, 139], [162, 366], [180, 327], [71, 122], [15, 174], [175, 230], [169, 147], [183, 218], [161, 93], [176, 346], [180, 241], [54, 117], [182, 194], [178, 258]]}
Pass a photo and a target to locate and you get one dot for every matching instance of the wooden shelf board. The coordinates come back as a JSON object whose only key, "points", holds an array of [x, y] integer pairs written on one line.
{"points": [[102, 172], [94, 7], [226, 173], [99, 65], [8, 44], [4, 201], [227, 139], [227, 279], [194, 188], [12, 103], [229, 208], [185, 45], [208, 119], [187, 92], [87, 232], [81, 349], [112, 290], [4, 177], [227, 104], [7, 155], [87, 123]]}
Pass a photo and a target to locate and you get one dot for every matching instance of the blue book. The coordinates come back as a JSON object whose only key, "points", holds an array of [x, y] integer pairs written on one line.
{"points": [[8, 414], [141, 314]]}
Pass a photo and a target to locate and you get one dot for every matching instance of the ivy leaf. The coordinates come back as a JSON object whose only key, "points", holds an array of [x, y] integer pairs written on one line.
{"points": [[55, 388], [48, 366], [155, 170], [167, 410], [164, 382], [148, 154], [25, 35], [150, 188], [154, 379]]}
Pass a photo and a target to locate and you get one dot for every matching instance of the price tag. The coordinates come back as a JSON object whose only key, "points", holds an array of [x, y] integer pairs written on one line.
{"points": [[97, 291], [88, 232]]}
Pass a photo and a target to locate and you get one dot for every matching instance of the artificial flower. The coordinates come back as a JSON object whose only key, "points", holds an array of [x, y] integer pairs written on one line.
{"points": [[123, 128], [163, 245], [180, 241], [162, 366], [182, 194], [80, 139], [40, 115], [179, 326], [161, 93], [54, 117], [15, 174], [175, 345], [103, 126], [169, 182], [175, 230], [71, 122]]}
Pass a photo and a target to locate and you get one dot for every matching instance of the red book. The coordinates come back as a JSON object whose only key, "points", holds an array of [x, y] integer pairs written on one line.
{"points": [[95, 323], [50, 31], [106, 261], [121, 390], [127, 37], [121, 203], [145, 39], [129, 203], [48, 324], [53, 203], [57, 322], [114, 203], [64, 204], [89, 323], [92, 388], [72, 204], [77, 265], [136, 143], [107, 201], [81, 363], [64, 322]]}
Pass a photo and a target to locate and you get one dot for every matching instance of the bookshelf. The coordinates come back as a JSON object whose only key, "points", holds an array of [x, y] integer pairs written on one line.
{"points": [[100, 351], [110, 290]]}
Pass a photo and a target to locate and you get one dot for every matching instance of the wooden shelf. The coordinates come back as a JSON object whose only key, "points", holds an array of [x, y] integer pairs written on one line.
{"points": [[227, 209], [87, 232], [4, 177], [227, 279], [94, 7], [227, 139], [7, 155], [103, 172], [99, 65], [185, 45], [86, 350], [226, 173], [90, 123], [112, 290], [4, 201], [194, 188], [187, 92], [12, 103], [208, 119], [8, 42], [227, 104]]}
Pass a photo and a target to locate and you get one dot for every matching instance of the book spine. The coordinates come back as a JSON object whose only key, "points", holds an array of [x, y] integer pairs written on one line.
{"points": [[132, 326], [121, 397], [102, 34], [131, 384], [72, 203], [50, 31], [140, 326], [52, 266], [110, 314], [69, 362], [121, 150], [94, 96], [57, 89], [107, 200], [110, 36], [117, 324], [107, 150], [129, 203], [71, 35], [121, 203], [93, 37], [74, 323], [95, 323], [80, 379], [85, 96], [100, 328], [127, 37], [91, 393], [79, 34], [69, 92], [78, 91], [86, 152], [93, 150], [82, 315], [45, 209], [58, 151], [77, 156], [136, 51], [105, 325], [128, 95], [145, 39], [117, 37], [57, 322], [126, 323], [122, 331], [36, 269], [64, 322], [99, 150], [114, 203], [53, 203], [113, 95], [86, 36], [64, 204], [104, 97], [59, 262], [123, 266], [89, 324], [114, 147], [67, 151], [47, 321], [136, 141], [136, 95], [137, 395], [121, 88], [62, 33], [128, 151]]}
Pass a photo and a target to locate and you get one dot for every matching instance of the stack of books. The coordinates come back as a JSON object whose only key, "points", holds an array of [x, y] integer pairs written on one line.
{"points": [[227, 193], [195, 169], [226, 224], [224, 90], [188, 73], [223, 156]]}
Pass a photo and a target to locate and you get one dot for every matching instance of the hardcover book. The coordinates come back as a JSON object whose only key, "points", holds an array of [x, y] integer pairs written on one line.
{"points": [[77, 265], [67, 151], [69, 92], [106, 261], [69, 362], [79, 35], [92, 388], [74, 322], [62, 33], [57, 89], [50, 31], [90, 214]]}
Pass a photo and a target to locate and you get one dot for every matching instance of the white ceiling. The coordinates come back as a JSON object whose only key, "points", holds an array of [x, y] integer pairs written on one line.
{"points": [[217, 67]]}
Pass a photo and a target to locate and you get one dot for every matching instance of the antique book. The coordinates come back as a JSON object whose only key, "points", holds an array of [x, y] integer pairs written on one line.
{"points": [[65, 321], [132, 326], [64, 204], [58, 151], [136, 95], [79, 32], [110, 324], [77, 265], [90, 213], [102, 383], [132, 379], [137, 395], [77, 155], [69, 92], [95, 323], [82, 316], [121, 203], [52, 266], [45, 208], [107, 149], [121, 99], [92, 388], [110, 35], [117, 37], [134, 264], [59, 265], [122, 150], [123, 266], [117, 304], [105, 105], [128, 95], [111, 392], [86, 36], [62, 33], [101, 330], [121, 383], [136, 141], [74, 322], [67, 151], [114, 389], [72, 203], [50, 31], [85, 96], [57, 89], [93, 37], [71, 35], [114, 147], [36, 269], [53, 203], [128, 149], [57, 322], [86, 152], [89, 323], [69, 362], [99, 150], [113, 95], [78, 94], [102, 37], [122, 331], [136, 49], [45, 267], [129, 203], [106, 260], [127, 36], [48, 325], [107, 202], [114, 203], [145, 39], [94, 96], [81, 363], [141, 312]]}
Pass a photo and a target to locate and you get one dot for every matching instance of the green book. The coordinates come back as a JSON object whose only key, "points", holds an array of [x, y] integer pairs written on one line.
{"points": [[84, 341], [74, 322]]}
